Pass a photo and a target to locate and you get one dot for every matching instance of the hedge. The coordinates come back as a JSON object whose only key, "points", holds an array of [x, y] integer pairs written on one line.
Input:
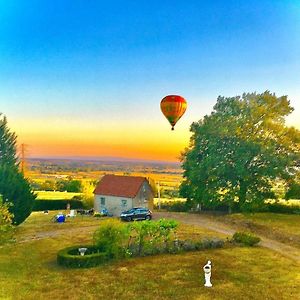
{"points": [[56, 204], [283, 209], [246, 238], [70, 258]]}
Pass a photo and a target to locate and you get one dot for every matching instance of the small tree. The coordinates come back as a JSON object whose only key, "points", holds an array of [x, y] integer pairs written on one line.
{"points": [[13, 186], [88, 188]]}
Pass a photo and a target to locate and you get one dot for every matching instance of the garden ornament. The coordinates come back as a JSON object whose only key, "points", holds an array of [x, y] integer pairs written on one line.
{"points": [[207, 274], [82, 251]]}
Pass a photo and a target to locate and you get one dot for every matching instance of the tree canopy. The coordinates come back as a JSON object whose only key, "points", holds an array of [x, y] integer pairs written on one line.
{"points": [[14, 188], [238, 150]]}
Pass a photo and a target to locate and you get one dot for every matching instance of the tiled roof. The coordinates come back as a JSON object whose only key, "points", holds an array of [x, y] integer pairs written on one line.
{"points": [[119, 186]]}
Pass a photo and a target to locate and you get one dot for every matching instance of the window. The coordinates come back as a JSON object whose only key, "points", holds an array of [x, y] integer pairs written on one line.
{"points": [[124, 202], [102, 201]]}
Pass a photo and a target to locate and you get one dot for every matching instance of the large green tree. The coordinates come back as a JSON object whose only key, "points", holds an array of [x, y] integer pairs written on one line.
{"points": [[238, 150], [14, 188]]}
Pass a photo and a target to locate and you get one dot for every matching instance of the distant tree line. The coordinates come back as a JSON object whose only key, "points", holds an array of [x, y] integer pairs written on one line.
{"points": [[61, 185]]}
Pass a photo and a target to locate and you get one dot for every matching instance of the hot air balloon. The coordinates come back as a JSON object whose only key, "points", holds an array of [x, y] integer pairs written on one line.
{"points": [[173, 107]]}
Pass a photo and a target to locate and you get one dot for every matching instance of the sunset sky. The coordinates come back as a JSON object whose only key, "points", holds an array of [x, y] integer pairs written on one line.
{"points": [[85, 78]]}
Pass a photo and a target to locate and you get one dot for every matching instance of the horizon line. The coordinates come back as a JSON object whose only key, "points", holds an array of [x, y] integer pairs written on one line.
{"points": [[103, 158]]}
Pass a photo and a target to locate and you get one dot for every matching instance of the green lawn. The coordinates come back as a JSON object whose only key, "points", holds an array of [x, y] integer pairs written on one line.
{"points": [[28, 270], [282, 227], [50, 195]]}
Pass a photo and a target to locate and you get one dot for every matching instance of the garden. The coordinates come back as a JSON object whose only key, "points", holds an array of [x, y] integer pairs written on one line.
{"points": [[29, 268]]}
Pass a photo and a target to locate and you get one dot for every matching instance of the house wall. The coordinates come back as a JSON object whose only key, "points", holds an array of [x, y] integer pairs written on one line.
{"points": [[113, 204], [144, 198]]}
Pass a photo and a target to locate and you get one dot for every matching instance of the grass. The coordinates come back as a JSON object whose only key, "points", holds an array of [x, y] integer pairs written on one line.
{"points": [[50, 195], [28, 270], [282, 227], [240, 273]]}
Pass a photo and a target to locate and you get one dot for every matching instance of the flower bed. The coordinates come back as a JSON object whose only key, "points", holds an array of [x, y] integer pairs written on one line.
{"points": [[115, 240]]}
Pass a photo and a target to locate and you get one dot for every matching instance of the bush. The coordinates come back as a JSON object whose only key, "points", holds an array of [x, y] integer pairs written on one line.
{"points": [[283, 209], [179, 206], [70, 257], [293, 191], [98, 215], [111, 237], [246, 238], [40, 205], [206, 243], [6, 217], [150, 236]]}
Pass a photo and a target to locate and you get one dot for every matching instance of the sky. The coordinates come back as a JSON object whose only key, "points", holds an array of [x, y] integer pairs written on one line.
{"points": [[85, 78]]}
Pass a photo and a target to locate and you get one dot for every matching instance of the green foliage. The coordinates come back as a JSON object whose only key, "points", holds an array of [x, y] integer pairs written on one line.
{"points": [[40, 205], [61, 185], [47, 185], [6, 217], [246, 238], [111, 237], [71, 185], [70, 258], [88, 188], [173, 206], [13, 186], [293, 191], [169, 193], [166, 228], [139, 231], [145, 236], [281, 208], [207, 243], [239, 150]]}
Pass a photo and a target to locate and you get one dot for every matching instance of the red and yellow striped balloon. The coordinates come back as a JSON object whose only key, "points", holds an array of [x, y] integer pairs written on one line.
{"points": [[173, 107]]}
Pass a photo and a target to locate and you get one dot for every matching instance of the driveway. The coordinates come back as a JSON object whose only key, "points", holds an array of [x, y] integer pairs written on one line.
{"points": [[209, 223]]}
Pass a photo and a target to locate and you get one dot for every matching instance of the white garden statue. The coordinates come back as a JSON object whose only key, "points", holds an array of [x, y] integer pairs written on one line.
{"points": [[207, 274]]}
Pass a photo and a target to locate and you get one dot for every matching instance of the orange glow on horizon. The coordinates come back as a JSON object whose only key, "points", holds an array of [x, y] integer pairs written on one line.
{"points": [[70, 139]]}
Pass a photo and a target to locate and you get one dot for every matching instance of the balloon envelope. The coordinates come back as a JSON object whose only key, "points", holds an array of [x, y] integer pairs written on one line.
{"points": [[173, 107]]}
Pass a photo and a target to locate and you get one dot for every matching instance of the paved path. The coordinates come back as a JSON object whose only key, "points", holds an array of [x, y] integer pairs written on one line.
{"points": [[207, 222]]}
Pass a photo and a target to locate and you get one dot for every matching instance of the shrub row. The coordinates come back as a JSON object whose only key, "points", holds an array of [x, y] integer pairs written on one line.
{"points": [[174, 247], [70, 258], [283, 209], [270, 207], [246, 238], [56, 204], [179, 206]]}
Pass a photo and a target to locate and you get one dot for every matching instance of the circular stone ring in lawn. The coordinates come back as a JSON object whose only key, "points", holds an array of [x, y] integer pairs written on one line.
{"points": [[72, 258]]}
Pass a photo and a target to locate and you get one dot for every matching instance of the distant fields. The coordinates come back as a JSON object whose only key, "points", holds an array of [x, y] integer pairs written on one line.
{"points": [[49, 195]]}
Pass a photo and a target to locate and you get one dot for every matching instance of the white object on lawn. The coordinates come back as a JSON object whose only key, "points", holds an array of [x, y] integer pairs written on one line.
{"points": [[82, 251], [207, 274]]}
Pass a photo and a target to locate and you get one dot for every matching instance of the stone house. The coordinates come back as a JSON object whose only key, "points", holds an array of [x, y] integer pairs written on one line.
{"points": [[119, 193]]}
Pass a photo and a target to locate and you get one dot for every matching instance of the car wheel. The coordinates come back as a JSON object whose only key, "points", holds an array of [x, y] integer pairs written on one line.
{"points": [[148, 218], [129, 219]]}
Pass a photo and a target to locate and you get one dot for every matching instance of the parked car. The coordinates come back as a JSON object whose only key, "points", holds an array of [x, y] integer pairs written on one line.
{"points": [[136, 213]]}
